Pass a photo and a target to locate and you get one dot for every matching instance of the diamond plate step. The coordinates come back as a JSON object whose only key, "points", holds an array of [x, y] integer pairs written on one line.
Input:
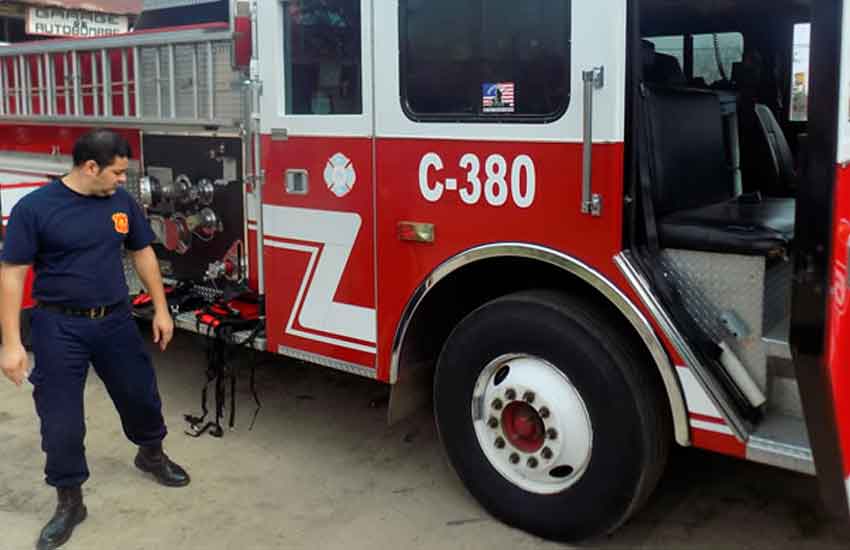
{"points": [[782, 441]]}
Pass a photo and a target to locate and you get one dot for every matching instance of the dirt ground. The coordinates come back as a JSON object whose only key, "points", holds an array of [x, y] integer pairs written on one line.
{"points": [[321, 469]]}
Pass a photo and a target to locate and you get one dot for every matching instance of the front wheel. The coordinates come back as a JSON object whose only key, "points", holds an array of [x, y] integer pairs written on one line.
{"points": [[549, 417]]}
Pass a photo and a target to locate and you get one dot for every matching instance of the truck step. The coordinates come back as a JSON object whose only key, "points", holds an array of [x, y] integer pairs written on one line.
{"points": [[776, 340], [782, 441]]}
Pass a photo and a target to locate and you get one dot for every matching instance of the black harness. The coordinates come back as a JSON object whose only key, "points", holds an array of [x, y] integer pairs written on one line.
{"points": [[221, 326]]}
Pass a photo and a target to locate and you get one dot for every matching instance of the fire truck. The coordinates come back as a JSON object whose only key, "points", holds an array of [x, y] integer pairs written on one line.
{"points": [[586, 231]]}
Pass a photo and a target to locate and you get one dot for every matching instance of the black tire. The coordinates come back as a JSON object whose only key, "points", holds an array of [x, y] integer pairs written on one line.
{"points": [[628, 412]]}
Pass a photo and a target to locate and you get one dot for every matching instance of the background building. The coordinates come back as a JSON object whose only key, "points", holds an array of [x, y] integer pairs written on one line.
{"points": [[27, 20]]}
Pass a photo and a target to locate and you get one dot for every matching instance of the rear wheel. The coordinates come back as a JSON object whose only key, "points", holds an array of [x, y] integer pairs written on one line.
{"points": [[549, 417]]}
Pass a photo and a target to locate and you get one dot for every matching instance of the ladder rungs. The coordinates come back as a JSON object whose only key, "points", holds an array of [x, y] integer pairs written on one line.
{"points": [[149, 81]]}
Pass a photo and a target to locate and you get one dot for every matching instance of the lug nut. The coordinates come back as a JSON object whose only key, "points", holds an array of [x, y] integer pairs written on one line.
{"points": [[497, 404], [500, 443], [514, 458], [510, 394], [546, 453], [493, 423], [544, 412], [532, 462], [552, 433], [528, 397]]}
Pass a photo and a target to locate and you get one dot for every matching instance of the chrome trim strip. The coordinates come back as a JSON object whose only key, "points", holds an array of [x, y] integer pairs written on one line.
{"points": [[329, 362], [585, 273], [189, 322], [123, 122], [641, 286]]}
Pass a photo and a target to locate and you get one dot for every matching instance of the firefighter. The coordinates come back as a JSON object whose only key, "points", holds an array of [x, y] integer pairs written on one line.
{"points": [[72, 231]]}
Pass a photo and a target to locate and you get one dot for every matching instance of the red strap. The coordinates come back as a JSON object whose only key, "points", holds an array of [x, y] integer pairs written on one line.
{"points": [[142, 299]]}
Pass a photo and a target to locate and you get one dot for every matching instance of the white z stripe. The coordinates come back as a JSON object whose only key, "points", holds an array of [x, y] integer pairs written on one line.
{"points": [[337, 232], [711, 427], [695, 397]]}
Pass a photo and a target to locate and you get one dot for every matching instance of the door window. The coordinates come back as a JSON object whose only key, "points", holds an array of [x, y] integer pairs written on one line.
{"points": [[322, 57]]}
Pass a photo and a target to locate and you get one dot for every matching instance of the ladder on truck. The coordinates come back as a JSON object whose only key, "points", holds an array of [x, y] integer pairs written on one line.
{"points": [[179, 78]]}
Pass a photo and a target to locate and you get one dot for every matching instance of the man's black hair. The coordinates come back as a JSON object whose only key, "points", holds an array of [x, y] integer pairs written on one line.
{"points": [[101, 146]]}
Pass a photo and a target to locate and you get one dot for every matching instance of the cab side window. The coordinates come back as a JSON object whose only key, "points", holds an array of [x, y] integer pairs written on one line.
{"points": [[322, 57], [485, 60]]}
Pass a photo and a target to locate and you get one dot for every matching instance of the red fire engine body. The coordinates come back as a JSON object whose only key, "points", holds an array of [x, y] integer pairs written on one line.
{"points": [[573, 228]]}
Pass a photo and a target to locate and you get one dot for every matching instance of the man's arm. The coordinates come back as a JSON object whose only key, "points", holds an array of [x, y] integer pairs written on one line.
{"points": [[13, 356], [147, 266]]}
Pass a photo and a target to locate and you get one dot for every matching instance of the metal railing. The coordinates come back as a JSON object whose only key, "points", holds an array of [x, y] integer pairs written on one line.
{"points": [[181, 77]]}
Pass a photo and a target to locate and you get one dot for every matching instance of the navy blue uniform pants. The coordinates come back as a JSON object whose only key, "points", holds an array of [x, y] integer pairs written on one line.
{"points": [[64, 346]]}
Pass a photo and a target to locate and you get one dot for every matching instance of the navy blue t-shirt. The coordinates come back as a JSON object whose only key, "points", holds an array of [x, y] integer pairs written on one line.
{"points": [[74, 242]]}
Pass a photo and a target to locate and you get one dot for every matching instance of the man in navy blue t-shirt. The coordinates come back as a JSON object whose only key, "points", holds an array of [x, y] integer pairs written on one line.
{"points": [[72, 232]]}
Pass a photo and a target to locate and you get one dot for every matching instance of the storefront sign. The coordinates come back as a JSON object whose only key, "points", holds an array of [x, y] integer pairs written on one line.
{"points": [[75, 23]]}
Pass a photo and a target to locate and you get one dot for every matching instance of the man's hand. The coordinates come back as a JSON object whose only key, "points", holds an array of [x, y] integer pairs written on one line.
{"points": [[13, 356], [163, 329], [14, 363], [147, 266]]}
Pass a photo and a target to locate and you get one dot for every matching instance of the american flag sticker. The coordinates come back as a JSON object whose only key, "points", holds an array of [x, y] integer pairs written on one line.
{"points": [[498, 97]]}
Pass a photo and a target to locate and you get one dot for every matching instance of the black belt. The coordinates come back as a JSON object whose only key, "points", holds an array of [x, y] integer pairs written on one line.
{"points": [[90, 312]]}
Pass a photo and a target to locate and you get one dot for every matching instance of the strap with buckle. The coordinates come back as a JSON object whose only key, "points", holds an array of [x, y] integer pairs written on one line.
{"points": [[97, 312], [92, 313]]}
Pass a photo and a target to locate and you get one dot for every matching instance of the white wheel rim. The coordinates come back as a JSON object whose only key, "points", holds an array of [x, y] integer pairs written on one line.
{"points": [[530, 393]]}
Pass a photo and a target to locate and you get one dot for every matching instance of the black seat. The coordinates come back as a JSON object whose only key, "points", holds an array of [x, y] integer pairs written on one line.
{"points": [[659, 68], [693, 185], [780, 152], [763, 228]]}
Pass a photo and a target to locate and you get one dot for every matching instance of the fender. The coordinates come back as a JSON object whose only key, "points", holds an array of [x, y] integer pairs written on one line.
{"points": [[574, 267]]}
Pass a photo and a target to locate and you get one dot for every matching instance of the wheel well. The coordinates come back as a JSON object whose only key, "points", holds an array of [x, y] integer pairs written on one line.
{"points": [[477, 283]]}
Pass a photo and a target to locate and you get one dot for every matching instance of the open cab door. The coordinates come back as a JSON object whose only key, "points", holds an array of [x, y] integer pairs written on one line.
{"points": [[820, 332]]}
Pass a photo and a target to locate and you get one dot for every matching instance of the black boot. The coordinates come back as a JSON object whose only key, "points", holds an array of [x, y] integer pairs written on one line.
{"points": [[154, 461], [69, 513]]}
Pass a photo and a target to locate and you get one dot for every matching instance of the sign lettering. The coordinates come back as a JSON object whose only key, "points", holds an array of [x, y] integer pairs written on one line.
{"points": [[494, 178], [74, 23]]}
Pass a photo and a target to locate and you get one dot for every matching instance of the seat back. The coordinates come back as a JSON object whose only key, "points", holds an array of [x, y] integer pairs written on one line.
{"points": [[660, 68], [780, 152], [687, 151]]}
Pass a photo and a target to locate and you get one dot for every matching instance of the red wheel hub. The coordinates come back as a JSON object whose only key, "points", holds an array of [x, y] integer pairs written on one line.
{"points": [[523, 427]]}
